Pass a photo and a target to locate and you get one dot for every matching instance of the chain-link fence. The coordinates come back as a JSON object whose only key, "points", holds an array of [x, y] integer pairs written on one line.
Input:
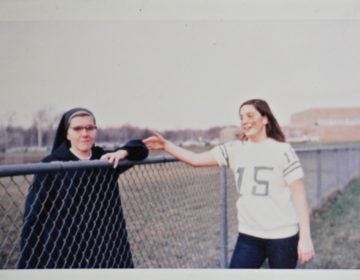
{"points": [[177, 216]]}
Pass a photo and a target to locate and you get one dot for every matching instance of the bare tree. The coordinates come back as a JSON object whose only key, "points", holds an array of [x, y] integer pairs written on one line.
{"points": [[42, 121], [6, 122]]}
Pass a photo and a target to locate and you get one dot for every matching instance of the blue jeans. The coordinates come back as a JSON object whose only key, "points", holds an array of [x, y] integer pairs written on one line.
{"points": [[251, 252]]}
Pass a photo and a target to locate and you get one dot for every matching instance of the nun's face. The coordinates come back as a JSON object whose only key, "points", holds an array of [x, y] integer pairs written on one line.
{"points": [[81, 134]]}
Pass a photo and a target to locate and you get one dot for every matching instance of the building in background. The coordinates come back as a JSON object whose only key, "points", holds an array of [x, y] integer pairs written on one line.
{"points": [[325, 125], [315, 125]]}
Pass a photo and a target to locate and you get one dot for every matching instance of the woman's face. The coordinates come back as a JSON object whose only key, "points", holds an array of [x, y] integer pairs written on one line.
{"points": [[253, 124], [81, 133]]}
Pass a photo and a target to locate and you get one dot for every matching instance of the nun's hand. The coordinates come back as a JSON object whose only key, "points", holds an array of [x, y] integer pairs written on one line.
{"points": [[115, 157]]}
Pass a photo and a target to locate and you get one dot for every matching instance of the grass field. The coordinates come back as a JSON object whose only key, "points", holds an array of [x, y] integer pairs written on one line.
{"points": [[336, 231]]}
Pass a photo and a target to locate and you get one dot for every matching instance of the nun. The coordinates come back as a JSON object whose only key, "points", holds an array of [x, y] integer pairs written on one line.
{"points": [[74, 218]]}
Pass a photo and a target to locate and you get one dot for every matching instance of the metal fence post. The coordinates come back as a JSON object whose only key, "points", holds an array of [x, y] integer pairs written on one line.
{"points": [[318, 179], [337, 166], [224, 222]]}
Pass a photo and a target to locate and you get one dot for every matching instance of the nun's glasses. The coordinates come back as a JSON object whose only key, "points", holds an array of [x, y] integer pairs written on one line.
{"points": [[88, 128]]}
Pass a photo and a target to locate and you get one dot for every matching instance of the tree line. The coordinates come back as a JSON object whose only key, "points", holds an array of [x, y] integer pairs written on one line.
{"points": [[42, 131]]}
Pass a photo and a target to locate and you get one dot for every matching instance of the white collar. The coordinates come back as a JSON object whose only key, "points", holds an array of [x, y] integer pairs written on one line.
{"points": [[81, 157]]}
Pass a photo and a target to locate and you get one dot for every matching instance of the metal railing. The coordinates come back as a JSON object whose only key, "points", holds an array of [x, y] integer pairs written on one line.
{"points": [[176, 216]]}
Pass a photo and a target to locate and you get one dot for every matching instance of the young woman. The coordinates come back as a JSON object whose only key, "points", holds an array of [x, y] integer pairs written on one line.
{"points": [[273, 216], [74, 218]]}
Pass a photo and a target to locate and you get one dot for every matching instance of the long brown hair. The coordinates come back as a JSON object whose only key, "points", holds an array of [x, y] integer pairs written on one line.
{"points": [[273, 129]]}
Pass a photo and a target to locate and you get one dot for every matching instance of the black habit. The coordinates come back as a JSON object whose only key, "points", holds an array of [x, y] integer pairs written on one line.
{"points": [[74, 218]]}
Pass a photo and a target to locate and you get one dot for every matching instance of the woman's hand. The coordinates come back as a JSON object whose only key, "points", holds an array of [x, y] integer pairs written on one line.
{"points": [[155, 142], [305, 250], [115, 157]]}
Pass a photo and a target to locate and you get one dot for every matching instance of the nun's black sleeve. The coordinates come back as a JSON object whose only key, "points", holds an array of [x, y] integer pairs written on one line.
{"points": [[136, 149]]}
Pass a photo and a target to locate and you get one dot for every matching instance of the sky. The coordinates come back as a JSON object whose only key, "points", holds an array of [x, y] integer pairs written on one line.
{"points": [[186, 65]]}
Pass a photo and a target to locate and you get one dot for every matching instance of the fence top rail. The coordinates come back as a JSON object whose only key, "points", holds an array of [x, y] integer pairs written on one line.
{"points": [[319, 149], [42, 167], [31, 168]]}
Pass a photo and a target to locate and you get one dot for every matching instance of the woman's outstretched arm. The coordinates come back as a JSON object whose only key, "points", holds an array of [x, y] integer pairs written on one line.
{"points": [[158, 142]]}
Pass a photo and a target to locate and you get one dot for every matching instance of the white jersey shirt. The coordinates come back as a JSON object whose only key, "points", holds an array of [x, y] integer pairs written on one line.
{"points": [[263, 172]]}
